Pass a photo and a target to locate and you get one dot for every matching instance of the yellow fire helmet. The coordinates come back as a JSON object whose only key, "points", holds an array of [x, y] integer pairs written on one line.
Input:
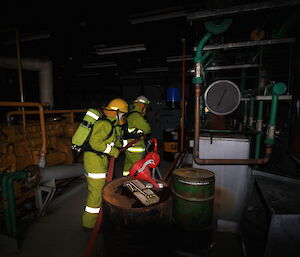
{"points": [[143, 103], [142, 99], [116, 106]]}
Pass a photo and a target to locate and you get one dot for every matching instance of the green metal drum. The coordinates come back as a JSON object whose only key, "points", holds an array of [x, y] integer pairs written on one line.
{"points": [[193, 196]]}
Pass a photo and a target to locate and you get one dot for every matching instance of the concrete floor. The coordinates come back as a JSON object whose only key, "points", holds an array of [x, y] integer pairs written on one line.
{"points": [[58, 233]]}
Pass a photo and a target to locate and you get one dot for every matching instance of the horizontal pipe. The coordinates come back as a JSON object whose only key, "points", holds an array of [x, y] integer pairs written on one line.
{"points": [[224, 131], [42, 124], [269, 98], [61, 172], [233, 161]]}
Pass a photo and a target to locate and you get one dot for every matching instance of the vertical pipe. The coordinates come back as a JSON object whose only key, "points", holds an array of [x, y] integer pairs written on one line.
{"points": [[243, 87], [182, 97], [274, 107], [20, 76], [20, 175], [197, 119], [7, 213], [251, 112], [259, 124], [245, 112]]}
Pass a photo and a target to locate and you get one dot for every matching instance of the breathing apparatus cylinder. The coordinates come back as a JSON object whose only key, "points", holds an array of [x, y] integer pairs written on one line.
{"points": [[83, 131]]}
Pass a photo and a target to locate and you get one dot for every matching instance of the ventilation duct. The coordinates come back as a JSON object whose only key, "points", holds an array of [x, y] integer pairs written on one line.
{"points": [[43, 67]]}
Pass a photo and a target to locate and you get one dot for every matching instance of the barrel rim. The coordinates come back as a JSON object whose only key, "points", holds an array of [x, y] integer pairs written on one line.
{"points": [[209, 175]]}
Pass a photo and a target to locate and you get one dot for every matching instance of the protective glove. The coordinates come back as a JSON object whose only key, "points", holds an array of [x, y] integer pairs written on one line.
{"points": [[114, 152]]}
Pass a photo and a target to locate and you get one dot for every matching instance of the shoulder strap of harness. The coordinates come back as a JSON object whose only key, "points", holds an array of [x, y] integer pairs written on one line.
{"points": [[88, 147]]}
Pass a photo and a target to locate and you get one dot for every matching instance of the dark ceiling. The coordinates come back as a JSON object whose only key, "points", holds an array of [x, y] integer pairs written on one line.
{"points": [[71, 33]]}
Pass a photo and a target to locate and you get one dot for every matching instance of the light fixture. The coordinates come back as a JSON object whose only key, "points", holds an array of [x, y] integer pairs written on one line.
{"points": [[120, 49], [99, 65], [178, 58], [245, 8], [163, 14], [26, 37], [154, 69], [230, 67], [87, 74]]}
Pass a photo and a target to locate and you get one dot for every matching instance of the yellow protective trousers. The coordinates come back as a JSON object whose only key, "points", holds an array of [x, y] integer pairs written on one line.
{"points": [[132, 155], [96, 173]]}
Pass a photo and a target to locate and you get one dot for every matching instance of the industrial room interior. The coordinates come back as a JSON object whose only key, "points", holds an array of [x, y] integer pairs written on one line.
{"points": [[223, 81]]}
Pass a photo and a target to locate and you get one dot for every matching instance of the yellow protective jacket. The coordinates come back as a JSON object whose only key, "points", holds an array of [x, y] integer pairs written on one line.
{"points": [[136, 122], [99, 142]]}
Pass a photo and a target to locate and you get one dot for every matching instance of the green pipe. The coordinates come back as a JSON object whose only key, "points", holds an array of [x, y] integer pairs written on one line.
{"points": [[207, 63], [213, 28], [259, 129], [289, 24], [253, 130], [7, 213], [1, 177], [217, 26], [9, 201], [19, 175], [277, 89], [199, 56]]}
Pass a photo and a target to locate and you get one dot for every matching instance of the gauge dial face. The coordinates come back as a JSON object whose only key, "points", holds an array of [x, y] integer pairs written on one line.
{"points": [[222, 97]]}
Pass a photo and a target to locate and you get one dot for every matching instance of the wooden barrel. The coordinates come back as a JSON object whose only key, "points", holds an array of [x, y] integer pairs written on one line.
{"points": [[130, 228], [193, 198]]}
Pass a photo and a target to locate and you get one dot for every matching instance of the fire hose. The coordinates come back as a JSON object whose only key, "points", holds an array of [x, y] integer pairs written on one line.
{"points": [[94, 233]]}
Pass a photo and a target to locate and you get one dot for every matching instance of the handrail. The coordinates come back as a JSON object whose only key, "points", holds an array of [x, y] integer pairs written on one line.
{"points": [[12, 113]]}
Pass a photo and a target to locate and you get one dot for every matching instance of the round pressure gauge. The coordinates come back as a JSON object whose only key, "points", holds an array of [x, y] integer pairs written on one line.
{"points": [[222, 97]]}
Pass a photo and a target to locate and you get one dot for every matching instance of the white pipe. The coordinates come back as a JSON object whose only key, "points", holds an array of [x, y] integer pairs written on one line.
{"points": [[43, 66]]}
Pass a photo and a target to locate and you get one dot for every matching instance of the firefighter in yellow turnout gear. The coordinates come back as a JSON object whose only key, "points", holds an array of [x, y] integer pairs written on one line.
{"points": [[137, 127], [102, 142]]}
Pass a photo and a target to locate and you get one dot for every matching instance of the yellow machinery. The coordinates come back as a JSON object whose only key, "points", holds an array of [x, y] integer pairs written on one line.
{"points": [[30, 135]]}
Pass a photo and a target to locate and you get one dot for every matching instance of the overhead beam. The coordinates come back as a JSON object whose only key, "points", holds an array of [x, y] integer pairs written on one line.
{"points": [[157, 15], [204, 14], [253, 7], [248, 44]]}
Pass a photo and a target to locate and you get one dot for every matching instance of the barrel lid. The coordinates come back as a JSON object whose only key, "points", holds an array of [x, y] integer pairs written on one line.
{"points": [[194, 173]]}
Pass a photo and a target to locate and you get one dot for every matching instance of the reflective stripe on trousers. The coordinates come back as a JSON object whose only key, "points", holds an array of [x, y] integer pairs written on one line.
{"points": [[125, 173], [99, 175], [136, 149], [92, 210]]}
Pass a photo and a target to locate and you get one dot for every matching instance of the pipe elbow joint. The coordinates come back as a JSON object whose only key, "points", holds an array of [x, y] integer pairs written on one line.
{"points": [[279, 88]]}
